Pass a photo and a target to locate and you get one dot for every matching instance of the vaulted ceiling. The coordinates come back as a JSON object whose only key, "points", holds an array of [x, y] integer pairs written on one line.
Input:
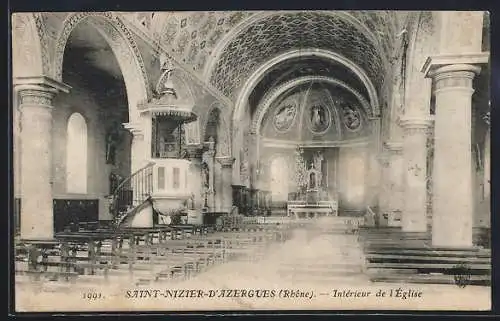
{"points": [[280, 33], [223, 48]]}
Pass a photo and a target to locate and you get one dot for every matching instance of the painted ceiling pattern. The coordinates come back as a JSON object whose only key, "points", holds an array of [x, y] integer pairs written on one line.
{"points": [[279, 33], [192, 38]]}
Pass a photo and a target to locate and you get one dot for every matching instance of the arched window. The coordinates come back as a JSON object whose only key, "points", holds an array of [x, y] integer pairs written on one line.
{"points": [[279, 179], [356, 179], [76, 155]]}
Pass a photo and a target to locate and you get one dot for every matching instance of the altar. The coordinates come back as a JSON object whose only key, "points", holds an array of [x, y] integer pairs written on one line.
{"points": [[313, 200], [303, 209]]}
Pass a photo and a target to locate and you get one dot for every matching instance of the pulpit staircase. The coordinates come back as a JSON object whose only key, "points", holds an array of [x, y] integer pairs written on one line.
{"points": [[133, 194]]}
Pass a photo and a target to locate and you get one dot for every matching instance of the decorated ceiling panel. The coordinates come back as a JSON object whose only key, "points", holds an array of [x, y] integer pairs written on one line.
{"points": [[206, 38], [279, 33], [189, 36], [315, 112], [296, 68]]}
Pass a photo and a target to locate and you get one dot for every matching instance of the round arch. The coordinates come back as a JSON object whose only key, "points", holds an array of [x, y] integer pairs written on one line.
{"points": [[223, 130], [373, 111], [239, 109], [119, 38]]}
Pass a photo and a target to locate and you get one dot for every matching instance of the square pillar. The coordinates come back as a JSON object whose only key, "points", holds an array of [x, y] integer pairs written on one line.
{"points": [[391, 202], [414, 217], [226, 192]]}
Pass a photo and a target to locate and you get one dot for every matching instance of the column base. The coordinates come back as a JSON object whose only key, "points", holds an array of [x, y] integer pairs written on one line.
{"points": [[450, 238]]}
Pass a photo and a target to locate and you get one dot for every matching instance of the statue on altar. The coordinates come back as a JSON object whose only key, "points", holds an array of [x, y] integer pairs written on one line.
{"points": [[318, 160], [314, 173]]}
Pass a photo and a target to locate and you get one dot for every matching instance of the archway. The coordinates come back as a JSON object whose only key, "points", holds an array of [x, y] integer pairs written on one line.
{"points": [[123, 46], [98, 102]]}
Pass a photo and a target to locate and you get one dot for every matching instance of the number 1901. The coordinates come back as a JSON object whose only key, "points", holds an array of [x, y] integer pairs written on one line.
{"points": [[92, 295]]}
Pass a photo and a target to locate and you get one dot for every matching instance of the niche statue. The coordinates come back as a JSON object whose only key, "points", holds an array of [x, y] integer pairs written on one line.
{"points": [[112, 141]]}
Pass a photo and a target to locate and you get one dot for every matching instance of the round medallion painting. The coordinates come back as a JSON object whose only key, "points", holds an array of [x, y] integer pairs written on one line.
{"points": [[352, 118], [319, 119], [284, 117]]}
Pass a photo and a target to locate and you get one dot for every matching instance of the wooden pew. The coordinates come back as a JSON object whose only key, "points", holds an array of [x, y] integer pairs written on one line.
{"points": [[395, 256], [37, 258]]}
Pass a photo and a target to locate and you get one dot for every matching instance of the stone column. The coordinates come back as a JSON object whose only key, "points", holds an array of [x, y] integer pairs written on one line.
{"points": [[226, 163], [195, 152], [392, 199], [208, 158], [36, 96], [452, 175], [138, 155], [374, 170], [414, 217]]}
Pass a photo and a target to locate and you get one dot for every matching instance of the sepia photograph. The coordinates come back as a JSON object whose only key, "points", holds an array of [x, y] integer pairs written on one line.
{"points": [[251, 161]]}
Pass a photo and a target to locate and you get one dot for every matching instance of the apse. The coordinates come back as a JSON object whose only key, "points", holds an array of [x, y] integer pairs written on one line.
{"points": [[314, 135]]}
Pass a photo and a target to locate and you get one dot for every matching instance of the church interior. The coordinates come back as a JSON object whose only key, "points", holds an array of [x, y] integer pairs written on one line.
{"points": [[137, 135]]}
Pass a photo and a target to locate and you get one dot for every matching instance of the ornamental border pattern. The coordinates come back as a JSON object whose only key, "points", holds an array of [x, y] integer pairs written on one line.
{"points": [[36, 97]]}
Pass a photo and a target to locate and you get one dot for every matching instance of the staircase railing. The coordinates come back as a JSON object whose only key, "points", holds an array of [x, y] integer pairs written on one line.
{"points": [[132, 192]]}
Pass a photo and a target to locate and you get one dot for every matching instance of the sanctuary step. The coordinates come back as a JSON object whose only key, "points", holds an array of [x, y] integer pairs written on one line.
{"points": [[323, 250]]}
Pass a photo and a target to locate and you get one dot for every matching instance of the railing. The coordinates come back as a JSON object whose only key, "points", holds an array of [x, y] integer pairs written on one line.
{"points": [[132, 192]]}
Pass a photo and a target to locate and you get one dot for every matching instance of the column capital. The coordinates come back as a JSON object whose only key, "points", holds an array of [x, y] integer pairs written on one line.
{"points": [[415, 122], [435, 65], [38, 90], [210, 145], [393, 146], [225, 161], [135, 129], [194, 151]]}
